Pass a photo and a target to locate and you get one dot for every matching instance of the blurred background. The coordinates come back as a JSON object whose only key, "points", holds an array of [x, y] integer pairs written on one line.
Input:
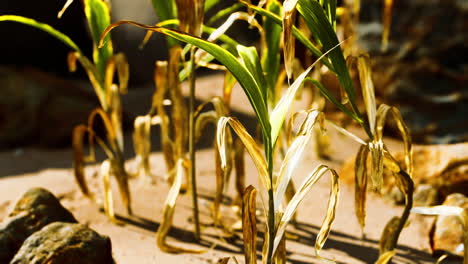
{"points": [[424, 71]]}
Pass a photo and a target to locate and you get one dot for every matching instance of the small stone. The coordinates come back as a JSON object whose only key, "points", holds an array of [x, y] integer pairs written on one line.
{"points": [[34, 210], [59, 243], [448, 230]]}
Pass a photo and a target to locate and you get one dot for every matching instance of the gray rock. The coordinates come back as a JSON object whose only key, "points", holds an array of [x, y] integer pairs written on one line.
{"points": [[34, 210], [65, 243]]}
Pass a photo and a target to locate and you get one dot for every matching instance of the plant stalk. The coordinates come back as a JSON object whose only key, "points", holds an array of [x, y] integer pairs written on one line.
{"points": [[406, 212], [271, 203], [193, 177]]}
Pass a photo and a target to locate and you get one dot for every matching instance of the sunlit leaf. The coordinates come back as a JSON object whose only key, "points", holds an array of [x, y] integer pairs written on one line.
{"points": [[249, 143], [296, 32], [223, 13], [44, 27], [105, 173], [64, 8], [376, 146], [168, 213], [387, 21], [243, 76], [271, 52], [320, 26], [289, 10], [239, 164], [295, 154], [367, 86], [251, 61], [386, 243], [328, 95], [305, 187], [280, 111], [360, 185], [98, 16], [142, 142], [438, 210], [385, 257], [249, 225]]}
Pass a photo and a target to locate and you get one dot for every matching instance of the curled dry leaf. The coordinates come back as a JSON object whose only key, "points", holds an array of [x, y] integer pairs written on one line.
{"points": [[388, 234], [142, 142], [295, 154], [249, 143], [105, 172], [289, 14], [168, 212], [387, 21], [305, 187], [385, 257], [249, 225], [360, 187]]}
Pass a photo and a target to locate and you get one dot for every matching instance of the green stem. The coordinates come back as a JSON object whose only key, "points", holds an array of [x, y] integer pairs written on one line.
{"points": [[192, 143], [271, 203]]}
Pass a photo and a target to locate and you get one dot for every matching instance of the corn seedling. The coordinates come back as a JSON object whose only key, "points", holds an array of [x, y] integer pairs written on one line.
{"points": [[101, 74]]}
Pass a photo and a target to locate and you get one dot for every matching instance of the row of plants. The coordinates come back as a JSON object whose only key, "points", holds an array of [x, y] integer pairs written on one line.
{"points": [[262, 72]]}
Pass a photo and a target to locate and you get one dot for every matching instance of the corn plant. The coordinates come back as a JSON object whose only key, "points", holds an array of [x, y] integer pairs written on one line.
{"points": [[100, 71]]}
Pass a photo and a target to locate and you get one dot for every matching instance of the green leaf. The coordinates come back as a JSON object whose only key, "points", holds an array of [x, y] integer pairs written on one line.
{"points": [[296, 32], [209, 4], [330, 9], [44, 27], [223, 13], [271, 55], [165, 10], [249, 58], [278, 114], [319, 25], [98, 15], [240, 72], [330, 97]]}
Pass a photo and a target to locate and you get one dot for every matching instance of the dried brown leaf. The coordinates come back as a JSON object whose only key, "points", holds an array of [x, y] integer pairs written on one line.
{"points": [[360, 187], [252, 148], [387, 21], [305, 187], [385, 257], [289, 17], [71, 61], [249, 225], [168, 213], [295, 154], [388, 234]]}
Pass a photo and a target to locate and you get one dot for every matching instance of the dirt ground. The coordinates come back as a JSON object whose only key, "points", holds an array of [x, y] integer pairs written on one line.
{"points": [[134, 242]]}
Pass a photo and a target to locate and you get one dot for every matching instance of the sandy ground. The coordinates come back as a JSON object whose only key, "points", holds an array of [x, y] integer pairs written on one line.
{"points": [[134, 242]]}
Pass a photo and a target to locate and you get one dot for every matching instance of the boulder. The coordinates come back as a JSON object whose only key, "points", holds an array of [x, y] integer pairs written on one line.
{"points": [[34, 210], [65, 243], [447, 232]]}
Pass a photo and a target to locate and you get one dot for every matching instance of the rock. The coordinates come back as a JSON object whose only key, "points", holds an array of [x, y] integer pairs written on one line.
{"points": [[439, 170], [34, 210], [39, 108], [65, 243], [447, 235], [424, 70]]}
